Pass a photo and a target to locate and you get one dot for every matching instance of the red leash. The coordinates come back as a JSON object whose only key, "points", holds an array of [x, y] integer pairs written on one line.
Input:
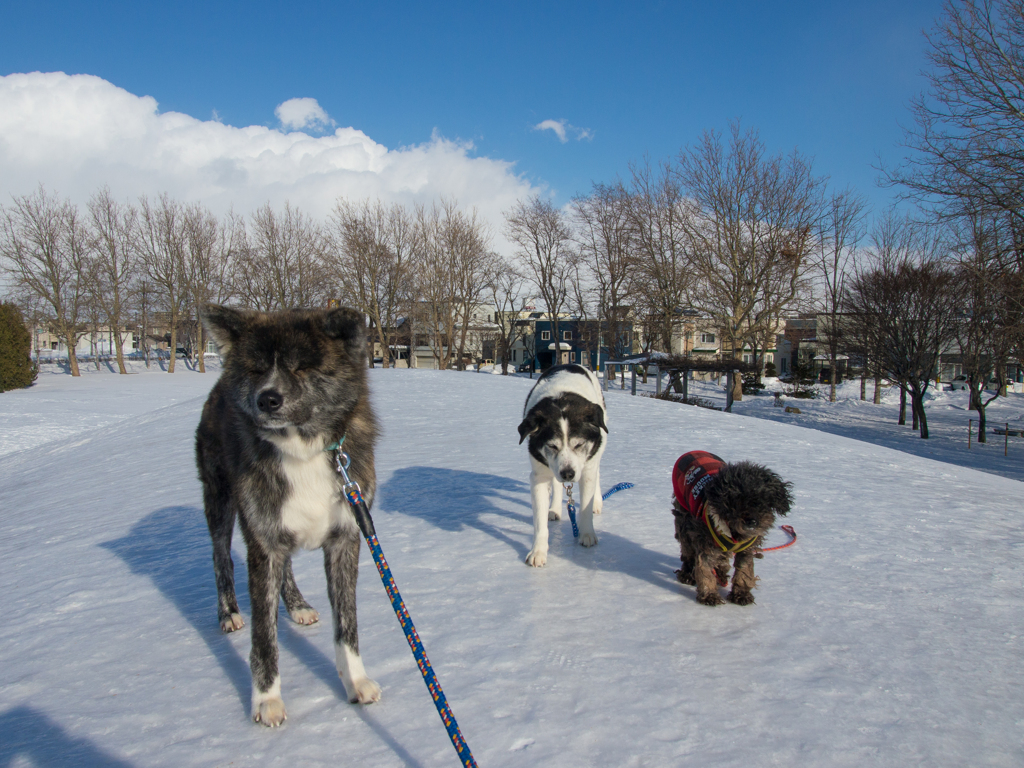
{"points": [[788, 529]]}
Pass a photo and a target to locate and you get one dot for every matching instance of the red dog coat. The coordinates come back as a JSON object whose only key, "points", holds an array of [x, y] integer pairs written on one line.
{"points": [[690, 477]]}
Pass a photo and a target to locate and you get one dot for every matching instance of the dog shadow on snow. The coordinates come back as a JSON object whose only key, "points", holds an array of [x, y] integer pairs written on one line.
{"points": [[455, 499], [171, 547]]}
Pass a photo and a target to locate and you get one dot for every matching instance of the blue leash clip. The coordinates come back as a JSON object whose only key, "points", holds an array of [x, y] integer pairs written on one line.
{"points": [[571, 505]]}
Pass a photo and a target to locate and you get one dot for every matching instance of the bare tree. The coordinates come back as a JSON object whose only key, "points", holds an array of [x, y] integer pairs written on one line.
{"points": [[207, 265], [656, 213], [749, 233], [117, 261], [373, 246], [604, 240], [46, 248], [543, 244], [163, 243], [840, 230], [281, 262], [508, 292], [452, 261], [986, 320], [914, 308], [967, 142]]}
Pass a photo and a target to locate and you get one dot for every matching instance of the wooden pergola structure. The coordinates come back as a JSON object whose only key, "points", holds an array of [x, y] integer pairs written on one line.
{"points": [[680, 369]]}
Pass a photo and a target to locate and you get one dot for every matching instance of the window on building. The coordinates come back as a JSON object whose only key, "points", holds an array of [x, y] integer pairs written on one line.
{"points": [[567, 335], [572, 357], [545, 335], [707, 338], [748, 358]]}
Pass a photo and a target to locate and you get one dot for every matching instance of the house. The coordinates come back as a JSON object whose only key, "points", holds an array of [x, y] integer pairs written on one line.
{"points": [[415, 344], [47, 345], [586, 342]]}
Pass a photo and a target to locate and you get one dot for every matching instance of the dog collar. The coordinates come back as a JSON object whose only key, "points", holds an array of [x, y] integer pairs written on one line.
{"points": [[737, 546], [336, 445]]}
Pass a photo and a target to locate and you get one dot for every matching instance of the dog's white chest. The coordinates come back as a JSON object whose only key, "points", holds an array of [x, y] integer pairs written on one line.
{"points": [[314, 505]]}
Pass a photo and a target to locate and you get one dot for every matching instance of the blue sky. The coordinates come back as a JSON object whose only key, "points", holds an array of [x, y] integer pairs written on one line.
{"points": [[830, 79]]}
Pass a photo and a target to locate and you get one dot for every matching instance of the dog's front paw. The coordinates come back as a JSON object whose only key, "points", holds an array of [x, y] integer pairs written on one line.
{"points": [[598, 506], [364, 691], [270, 712], [554, 514], [231, 623], [537, 557], [741, 598], [711, 598], [588, 538], [304, 615]]}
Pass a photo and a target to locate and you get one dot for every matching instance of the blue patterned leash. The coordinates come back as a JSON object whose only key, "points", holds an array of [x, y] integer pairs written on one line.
{"points": [[365, 522], [572, 505]]}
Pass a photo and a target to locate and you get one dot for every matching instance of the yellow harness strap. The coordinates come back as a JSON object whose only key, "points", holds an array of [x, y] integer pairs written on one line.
{"points": [[737, 546]]}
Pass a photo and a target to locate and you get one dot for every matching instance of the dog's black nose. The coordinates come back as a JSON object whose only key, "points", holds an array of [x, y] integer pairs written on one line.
{"points": [[568, 474], [269, 400]]}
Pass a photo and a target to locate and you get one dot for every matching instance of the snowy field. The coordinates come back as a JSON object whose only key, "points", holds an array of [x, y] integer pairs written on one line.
{"points": [[889, 635], [948, 420]]}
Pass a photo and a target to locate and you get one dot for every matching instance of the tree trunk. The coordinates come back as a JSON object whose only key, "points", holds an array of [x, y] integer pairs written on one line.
{"points": [[863, 387], [201, 344], [982, 435], [914, 412], [174, 345], [832, 383], [878, 390], [737, 387], [119, 350], [903, 406], [918, 405], [69, 340]]}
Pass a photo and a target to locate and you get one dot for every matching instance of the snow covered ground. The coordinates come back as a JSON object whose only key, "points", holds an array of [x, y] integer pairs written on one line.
{"points": [[890, 634], [948, 420]]}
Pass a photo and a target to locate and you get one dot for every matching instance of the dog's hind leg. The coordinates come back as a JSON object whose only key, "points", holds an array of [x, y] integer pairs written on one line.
{"points": [[266, 572], [300, 611], [341, 563], [220, 518], [743, 580], [555, 510]]}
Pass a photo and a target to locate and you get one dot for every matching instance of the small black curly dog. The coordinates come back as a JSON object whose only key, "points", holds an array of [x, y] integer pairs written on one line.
{"points": [[723, 511]]}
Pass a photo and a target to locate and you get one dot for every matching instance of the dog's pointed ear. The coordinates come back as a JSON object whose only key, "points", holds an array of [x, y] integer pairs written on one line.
{"points": [[224, 325], [597, 416], [528, 426], [348, 326], [778, 494]]}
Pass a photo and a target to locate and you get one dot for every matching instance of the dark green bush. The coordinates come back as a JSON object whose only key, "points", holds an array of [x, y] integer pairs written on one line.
{"points": [[770, 370], [752, 384], [16, 367]]}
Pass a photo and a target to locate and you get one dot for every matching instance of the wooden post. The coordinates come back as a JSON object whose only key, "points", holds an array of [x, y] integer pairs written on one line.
{"points": [[622, 376], [969, 427], [632, 381], [604, 379], [1006, 442], [728, 393], [686, 385]]}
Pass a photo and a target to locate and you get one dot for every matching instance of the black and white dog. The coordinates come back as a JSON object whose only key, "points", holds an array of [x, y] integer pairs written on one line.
{"points": [[563, 417], [293, 383]]}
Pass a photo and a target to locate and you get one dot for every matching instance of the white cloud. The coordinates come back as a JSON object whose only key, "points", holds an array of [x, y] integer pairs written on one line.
{"points": [[74, 133], [562, 129], [558, 126], [297, 114]]}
